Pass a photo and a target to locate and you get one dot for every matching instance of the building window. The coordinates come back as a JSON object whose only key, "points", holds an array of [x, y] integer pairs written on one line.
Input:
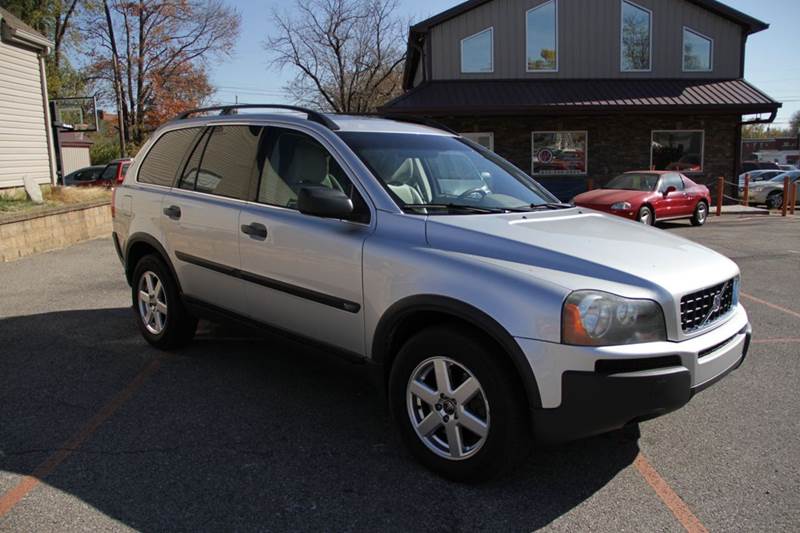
{"points": [[559, 152], [477, 52], [485, 139], [541, 34], [637, 26], [698, 52], [680, 150]]}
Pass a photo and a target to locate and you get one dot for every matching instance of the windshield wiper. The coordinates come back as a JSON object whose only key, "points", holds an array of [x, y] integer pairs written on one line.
{"points": [[552, 205], [456, 207]]}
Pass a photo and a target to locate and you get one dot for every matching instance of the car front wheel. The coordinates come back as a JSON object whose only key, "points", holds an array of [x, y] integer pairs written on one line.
{"points": [[775, 200], [646, 216], [160, 314], [457, 407]]}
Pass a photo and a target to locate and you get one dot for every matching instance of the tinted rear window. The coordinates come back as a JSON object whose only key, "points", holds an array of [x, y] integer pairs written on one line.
{"points": [[229, 161], [163, 160]]}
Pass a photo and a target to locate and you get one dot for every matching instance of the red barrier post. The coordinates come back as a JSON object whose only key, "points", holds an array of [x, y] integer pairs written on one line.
{"points": [[786, 194], [746, 194], [589, 184], [795, 191], [720, 192]]}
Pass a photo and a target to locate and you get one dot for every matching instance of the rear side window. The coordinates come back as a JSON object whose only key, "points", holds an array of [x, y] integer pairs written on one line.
{"points": [[229, 161], [164, 158]]}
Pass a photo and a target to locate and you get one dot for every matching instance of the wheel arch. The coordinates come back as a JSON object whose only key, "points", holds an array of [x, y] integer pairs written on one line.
{"points": [[413, 313], [141, 244]]}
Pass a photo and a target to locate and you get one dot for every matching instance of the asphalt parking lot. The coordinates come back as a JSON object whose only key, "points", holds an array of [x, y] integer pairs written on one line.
{"points": [[241, 432]]}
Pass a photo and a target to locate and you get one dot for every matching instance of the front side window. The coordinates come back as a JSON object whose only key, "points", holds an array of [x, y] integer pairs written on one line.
{"points": [[161, 163], [677, 150], [671, 180], [559, 152], [698, 52], [636, 37], [295, 160], [229, 161], [477, 52], [542, 37], [437, 170]]}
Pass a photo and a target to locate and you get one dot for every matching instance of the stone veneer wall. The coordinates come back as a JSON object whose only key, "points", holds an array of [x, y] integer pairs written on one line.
{"points": [[50, 229], [617, 143]]}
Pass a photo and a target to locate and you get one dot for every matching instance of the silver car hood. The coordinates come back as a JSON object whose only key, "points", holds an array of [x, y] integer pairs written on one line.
{"points": [[584, 249]]}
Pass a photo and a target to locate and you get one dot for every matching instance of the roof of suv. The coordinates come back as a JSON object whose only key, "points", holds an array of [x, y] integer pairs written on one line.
{"points": [[337, 122]]}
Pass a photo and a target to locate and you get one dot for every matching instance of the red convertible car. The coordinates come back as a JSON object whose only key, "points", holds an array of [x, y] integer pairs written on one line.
{"points": [[650, 196]]}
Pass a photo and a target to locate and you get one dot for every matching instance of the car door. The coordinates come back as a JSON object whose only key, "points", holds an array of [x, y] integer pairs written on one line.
{"points": [[304, 272], [672, 204], [203, 215]]}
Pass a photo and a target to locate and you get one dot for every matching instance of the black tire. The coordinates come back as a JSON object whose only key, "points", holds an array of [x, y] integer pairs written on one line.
{"points": [[646, 211], [508, 440], [179, 325], [775, 200], [700, 214]]}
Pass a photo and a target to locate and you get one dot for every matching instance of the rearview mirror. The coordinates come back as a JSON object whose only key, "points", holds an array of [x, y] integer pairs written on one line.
{"points": [[669, 190], [324, 202]]}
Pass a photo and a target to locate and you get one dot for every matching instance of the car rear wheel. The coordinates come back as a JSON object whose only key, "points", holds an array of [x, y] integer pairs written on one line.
{"points": [[160, 314], [775, 200], [646, 216], [456, 406], [700, 214]]}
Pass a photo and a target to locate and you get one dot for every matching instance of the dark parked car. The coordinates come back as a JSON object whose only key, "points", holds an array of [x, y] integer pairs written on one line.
{"points": [[749, 166], [83, 177]]}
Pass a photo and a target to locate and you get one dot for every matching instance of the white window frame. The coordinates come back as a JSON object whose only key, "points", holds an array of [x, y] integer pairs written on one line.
{"points": [[490, 29], [683, 50], [702, 149], [621, 40], [527, 66], [472, 134], [567, 174]]}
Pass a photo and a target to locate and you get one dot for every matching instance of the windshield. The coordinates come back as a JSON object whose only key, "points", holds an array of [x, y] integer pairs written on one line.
{"points": [[426, 171], [634, 182], [791, 175]]}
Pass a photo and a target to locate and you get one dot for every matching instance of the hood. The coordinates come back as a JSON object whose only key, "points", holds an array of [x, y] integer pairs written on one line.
{"points": [[583, 249], [610, 196]]}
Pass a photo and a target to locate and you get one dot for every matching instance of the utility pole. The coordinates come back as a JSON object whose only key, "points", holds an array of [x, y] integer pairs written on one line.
{"points": [[117, 81]]}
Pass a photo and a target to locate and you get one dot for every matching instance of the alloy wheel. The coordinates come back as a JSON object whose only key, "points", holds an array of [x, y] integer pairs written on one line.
{"points": [[152, 303], [448, 408], [702, 212], [644, 216]]}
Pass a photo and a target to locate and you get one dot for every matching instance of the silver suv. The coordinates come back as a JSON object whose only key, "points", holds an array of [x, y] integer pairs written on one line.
{"points": [[495, 315]]}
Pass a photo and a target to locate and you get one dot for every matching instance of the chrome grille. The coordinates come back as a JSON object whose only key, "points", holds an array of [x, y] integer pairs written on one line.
{"points": [[705, 307]]}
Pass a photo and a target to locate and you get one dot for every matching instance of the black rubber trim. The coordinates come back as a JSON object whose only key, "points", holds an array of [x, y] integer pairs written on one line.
{"points": [[748, 332], [203, 309], [117, 247], [383, 337], [294, 290]]}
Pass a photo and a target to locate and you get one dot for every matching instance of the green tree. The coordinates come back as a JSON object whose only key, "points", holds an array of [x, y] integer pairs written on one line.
{"points": [[794, 124]]}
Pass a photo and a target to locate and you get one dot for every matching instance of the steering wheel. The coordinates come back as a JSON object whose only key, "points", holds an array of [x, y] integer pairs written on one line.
{"points": [[475, 193]]}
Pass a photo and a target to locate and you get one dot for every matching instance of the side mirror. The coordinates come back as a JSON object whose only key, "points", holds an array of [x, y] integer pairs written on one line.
{"points": [[669, 190], [324, 202]]}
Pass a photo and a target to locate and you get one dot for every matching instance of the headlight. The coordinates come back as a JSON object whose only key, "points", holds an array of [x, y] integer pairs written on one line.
{"points": [[594, 318], [621, 206]]}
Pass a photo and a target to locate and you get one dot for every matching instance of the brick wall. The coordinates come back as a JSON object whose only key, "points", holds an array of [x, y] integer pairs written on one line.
{"points": [[617, 143], [53, 229]]}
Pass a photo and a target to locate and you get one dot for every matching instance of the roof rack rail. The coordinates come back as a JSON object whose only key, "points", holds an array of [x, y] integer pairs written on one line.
{"points": [[419, 120], [314, 116]]}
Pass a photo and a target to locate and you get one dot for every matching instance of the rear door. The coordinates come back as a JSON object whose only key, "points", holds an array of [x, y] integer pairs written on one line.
{"points": [[202, 214], [303, 272]]}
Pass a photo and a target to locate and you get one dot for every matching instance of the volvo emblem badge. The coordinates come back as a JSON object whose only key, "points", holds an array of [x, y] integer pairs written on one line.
{"points": [[717, 303]]}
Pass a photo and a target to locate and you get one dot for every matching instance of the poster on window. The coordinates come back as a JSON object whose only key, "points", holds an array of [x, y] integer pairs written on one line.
{"points": [[678, 150], [559, 152]]}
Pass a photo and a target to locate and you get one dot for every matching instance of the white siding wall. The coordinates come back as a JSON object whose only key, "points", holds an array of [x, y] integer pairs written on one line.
{"points": [[23, 130], [73, 158]]}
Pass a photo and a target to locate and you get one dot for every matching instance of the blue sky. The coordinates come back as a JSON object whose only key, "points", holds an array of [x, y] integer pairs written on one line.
{"points": [[773, 61]]}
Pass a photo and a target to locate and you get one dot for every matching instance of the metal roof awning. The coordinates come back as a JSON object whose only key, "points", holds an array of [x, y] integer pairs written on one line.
{"points": [[585, 96]]}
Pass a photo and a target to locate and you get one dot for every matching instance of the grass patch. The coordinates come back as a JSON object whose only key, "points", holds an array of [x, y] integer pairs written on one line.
{"points": [[18, 202]]}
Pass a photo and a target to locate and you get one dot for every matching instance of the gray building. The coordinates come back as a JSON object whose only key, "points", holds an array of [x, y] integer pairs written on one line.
{"points": [[575, 89], [26, 139]]}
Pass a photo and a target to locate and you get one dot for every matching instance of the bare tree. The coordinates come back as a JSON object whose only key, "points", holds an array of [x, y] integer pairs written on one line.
{"points": [[347, 54], [138, 48]]}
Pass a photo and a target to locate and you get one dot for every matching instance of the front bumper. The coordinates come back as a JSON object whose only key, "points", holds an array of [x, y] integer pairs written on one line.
{"points": [[587, 391]]}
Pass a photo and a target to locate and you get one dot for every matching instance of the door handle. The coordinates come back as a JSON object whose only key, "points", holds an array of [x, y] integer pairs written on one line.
{"points": [[255, 230], [173, 212]]}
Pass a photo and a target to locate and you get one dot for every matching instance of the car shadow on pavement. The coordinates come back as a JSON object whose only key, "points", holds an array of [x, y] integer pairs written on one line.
{"points": [[241, 431]]}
